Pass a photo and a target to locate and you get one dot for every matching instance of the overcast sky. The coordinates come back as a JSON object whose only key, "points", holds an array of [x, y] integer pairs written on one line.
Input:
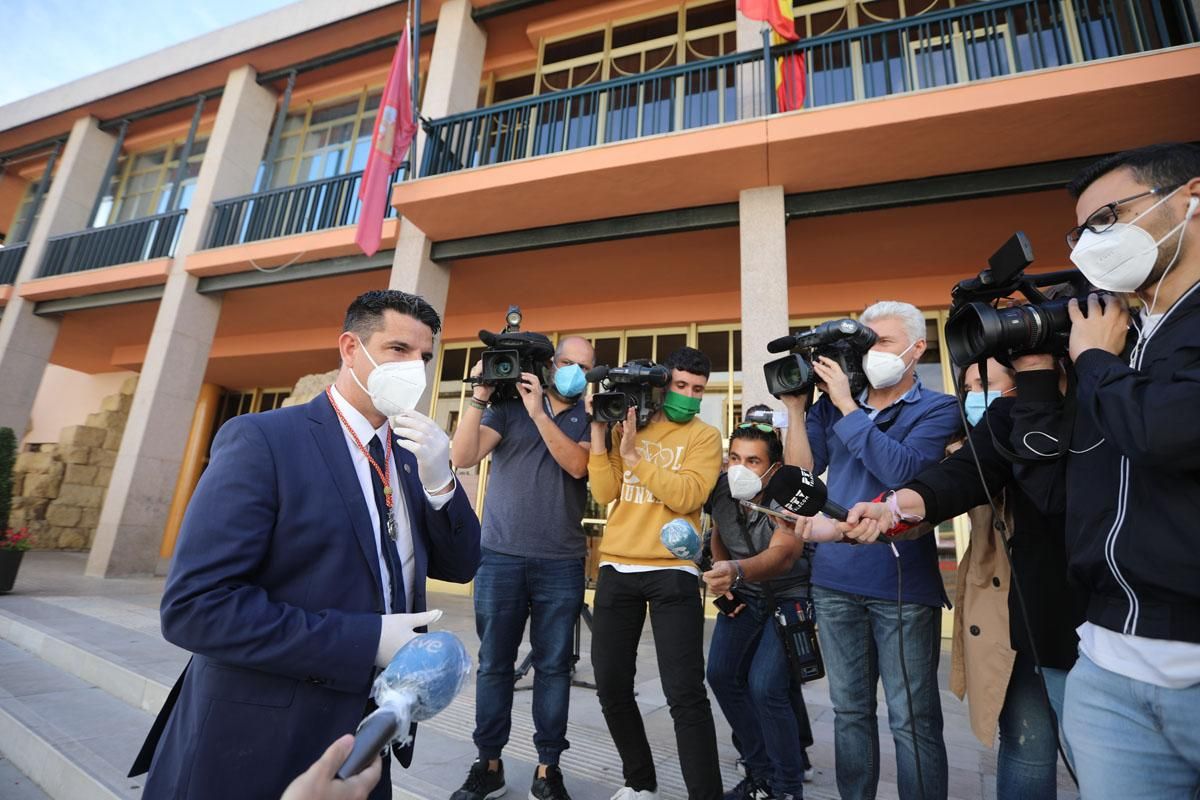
{"points": [[51, 42]]}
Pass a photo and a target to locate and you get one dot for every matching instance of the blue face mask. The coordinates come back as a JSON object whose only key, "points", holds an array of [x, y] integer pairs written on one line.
{"points": [[569, 381], [976, 404]]}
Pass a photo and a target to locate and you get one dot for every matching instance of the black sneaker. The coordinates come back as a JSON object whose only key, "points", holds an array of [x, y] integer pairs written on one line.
{"points": [[749, 789], [550, 787], [481, 783]]}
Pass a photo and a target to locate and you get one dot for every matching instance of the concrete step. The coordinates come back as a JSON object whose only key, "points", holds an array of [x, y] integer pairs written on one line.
{"points": [[123, 666], [74, 740]]}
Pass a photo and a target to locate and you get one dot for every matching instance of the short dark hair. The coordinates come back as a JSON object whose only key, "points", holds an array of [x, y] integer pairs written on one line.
{"points": [[689, 359], [365, 314], [1159, 166], [760, 407], [754, 434]]}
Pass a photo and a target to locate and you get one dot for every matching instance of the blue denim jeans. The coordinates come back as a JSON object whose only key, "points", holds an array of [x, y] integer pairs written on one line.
{"points": [[1027, 762], [861, 644], [508, 590], [749, 674], [1131, 740]]}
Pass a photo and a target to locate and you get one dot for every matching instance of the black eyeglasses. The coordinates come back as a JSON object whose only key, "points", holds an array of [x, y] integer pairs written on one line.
{"points": [[1105, 216]]}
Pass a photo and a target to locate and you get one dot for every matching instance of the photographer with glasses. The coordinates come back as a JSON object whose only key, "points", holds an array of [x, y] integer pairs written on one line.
{"points": [[765, 573], [1130, 481], [882, 437]]}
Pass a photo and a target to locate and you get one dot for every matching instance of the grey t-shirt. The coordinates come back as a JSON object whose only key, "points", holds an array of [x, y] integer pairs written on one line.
{"points": [[729, 515], [533, 507]]}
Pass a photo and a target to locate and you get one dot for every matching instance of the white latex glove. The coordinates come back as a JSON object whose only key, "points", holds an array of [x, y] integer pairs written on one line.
{"points": [[422, 437], [396, 631]]}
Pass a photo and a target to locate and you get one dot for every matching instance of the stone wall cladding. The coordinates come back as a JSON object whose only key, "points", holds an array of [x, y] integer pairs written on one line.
{"points": [[59, 488]]}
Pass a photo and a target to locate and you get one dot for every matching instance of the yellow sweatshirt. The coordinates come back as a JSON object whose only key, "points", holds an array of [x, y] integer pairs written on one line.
{"points": [[679, 467]]}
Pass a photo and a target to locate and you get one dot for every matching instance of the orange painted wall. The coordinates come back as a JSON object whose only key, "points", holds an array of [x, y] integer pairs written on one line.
{"points": [[12, 189]]}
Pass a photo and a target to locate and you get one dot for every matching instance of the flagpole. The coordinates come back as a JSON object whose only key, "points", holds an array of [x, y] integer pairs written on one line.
{"points": [[415, 38], [768, 69]]}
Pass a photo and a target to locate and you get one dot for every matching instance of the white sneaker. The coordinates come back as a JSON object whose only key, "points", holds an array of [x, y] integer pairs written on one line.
{"points": [[627, 793]]}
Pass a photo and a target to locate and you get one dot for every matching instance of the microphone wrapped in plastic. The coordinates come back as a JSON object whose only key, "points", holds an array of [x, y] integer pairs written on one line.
{"points": [[421, 680], [800, 492], [681, 539]]}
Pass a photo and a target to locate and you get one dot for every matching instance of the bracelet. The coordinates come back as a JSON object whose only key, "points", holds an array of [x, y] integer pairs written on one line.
{"points": [[474, 403], [741, 576]]}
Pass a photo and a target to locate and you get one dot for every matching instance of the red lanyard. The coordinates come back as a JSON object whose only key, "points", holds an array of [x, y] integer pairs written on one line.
{"points": [[384, 473]]}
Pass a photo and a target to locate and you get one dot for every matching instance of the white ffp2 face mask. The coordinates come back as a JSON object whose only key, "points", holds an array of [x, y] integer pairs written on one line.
{"points": [[1122, 258], [745, 483], [885, 369], [395, 386]]}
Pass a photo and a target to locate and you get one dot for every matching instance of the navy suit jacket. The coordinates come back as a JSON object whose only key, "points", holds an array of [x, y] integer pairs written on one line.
{"points": [[275, 589]]}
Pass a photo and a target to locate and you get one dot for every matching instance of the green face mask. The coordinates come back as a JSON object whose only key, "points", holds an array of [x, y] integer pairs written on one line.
{"points": [[680, 408]]}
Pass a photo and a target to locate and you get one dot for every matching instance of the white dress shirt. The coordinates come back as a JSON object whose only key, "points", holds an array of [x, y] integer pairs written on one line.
{"points": [[362, 468]]}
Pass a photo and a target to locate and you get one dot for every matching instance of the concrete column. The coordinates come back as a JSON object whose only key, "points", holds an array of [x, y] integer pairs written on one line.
{"points": [[452, 87], [26, 340], [762, 222], [139, 497], [455, 65]]}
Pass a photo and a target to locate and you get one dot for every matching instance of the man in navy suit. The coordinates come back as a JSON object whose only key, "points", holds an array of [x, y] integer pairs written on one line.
{"points": [[301, 566]]}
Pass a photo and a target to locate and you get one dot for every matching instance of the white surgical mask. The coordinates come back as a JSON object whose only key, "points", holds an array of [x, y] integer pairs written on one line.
{"points": [[395, 386], [744, 483], [1122, 258], [885, 369]]}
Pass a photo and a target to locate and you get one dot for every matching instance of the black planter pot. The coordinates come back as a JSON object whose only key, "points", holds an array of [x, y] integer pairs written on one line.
{"points": [[10, 562]]}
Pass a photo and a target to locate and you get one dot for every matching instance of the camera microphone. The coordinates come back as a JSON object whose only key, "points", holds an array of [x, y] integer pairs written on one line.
{"points": [[800, 492], [781, 345], [488, 338], [596, 374]]}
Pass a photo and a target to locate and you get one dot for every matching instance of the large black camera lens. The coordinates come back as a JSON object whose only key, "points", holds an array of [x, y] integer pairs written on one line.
{"points": [[977, 331], [610, 406], [501, 365], [788, 375]]}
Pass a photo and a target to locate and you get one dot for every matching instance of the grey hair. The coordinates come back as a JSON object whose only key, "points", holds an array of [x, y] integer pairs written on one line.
{"points": [[907, 313], [563, 341]]}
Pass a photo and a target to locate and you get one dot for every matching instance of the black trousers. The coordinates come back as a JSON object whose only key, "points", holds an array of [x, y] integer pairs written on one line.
{"points": [[677, 619]]}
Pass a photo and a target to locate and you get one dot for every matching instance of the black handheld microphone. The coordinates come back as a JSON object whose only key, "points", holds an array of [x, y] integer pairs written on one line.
{"points": [[800, 492]]}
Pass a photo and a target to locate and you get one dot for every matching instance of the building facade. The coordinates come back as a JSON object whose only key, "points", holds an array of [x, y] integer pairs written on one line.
{"points": [[618, 168]]}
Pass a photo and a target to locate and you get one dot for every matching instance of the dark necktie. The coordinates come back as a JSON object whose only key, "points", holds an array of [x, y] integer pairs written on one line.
{"points": [[390, 556]]}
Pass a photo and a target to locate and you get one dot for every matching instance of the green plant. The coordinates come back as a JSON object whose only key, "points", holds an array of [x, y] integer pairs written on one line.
{"points": [[8, 457]]}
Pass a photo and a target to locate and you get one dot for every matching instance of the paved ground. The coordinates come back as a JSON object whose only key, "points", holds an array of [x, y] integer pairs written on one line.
{"points": [[120, 617]]}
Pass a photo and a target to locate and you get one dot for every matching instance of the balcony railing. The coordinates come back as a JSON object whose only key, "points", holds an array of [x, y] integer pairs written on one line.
{"points": [[122, 243], [959, 45], [10, 261], [288, 210]]}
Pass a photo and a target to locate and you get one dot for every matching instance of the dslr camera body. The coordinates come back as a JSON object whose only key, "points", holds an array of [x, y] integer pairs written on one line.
{"points": [[512, 352], [978, 330], [639, 384], [845, 341]]}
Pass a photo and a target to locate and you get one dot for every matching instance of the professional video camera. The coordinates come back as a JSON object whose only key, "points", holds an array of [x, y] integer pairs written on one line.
{"points": [[977, 330], [841, 340], [639, 384], [511, 352]]}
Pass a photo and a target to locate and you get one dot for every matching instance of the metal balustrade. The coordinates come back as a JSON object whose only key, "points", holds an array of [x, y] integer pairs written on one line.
{"points": [[10, 261], [289, 210], [125, 242], [969, 43]]}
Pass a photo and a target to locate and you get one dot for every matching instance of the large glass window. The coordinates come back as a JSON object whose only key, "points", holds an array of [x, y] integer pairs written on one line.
{"points": [[142, 183], [321, 140], [27, 213]]}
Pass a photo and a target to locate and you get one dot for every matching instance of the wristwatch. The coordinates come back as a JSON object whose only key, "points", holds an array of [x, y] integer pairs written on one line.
{"points": [[740, 578]]}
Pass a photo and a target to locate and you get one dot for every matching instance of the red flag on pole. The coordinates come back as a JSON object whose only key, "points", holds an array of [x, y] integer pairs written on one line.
{"points": [[394, 131], [776, 13]]}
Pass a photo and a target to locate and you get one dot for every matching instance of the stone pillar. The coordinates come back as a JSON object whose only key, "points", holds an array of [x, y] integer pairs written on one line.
{"points": [[26, 340], [452, 87], [762, 222], [455, 65], [751, 90], [139, 497]]}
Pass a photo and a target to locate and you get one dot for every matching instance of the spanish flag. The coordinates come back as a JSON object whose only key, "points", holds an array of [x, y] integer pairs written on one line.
{"points": [[789, 70]]}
